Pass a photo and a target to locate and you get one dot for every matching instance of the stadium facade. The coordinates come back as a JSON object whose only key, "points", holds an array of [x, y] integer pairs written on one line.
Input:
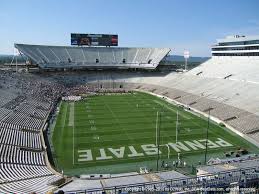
{"points": [[238, 45], [226, 87]]}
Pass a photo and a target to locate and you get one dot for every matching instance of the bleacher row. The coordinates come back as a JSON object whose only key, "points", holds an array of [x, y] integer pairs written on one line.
{"points": [[39, 104], [24, 120], [233, 68], [22, 156], [65, 56], [21, 138], [17, 155], [29, 109], [6, 97], [13, 172], [15, 102], [35, 184], [4, 112], [15, 127], [22, 111]]}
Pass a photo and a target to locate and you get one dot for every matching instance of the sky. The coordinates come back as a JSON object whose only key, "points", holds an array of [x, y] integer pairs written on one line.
{"points": [[192, 25]]}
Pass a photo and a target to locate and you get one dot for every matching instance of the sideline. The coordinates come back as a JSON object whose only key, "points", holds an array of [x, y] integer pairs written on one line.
{"points": [[193, 110], [169, 108]]}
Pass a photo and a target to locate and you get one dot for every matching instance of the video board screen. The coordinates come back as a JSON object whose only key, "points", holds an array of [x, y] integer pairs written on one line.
{"points": [[94, 39]]}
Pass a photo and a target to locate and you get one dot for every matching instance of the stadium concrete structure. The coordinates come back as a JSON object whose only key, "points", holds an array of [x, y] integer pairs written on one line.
{"points": [[54, 57], [227, 86]]}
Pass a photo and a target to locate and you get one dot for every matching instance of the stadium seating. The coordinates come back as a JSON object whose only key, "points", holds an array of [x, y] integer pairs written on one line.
{"points": [[20, 138], [23, 110], [229, 88], [38, 185], [68, 57], [18, 155], [6, 97], [4, 112], [240, 68], [18, 118], [15, 172]]}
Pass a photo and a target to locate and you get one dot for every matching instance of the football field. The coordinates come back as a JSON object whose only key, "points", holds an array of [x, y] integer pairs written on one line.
{"points": [[117, 133]]}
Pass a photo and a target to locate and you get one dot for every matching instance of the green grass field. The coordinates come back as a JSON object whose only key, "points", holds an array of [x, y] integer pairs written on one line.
{"points": [[117, 133]]}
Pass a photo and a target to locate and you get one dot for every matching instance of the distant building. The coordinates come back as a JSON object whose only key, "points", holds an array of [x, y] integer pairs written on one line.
{"points": [[236, 46]]}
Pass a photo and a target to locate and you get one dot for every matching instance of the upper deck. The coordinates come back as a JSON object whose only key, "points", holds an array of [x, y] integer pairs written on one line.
{"points": [[236, 46]]}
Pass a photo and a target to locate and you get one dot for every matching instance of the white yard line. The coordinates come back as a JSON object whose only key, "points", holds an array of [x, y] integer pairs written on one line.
{"points": [[137, 111], [73, 145], [64, 119], [71, 114], [114, 116], [71, 124]]}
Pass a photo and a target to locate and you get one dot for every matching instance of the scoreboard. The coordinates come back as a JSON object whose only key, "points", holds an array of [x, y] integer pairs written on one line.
{"points": [[94, 39]]}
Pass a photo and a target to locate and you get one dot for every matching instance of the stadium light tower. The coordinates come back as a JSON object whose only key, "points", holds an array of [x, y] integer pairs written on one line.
{"points": [[186, 55], [157, 128], [158, 136], [207, 136], [158, 123], [176, 128], [15, 55]]}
